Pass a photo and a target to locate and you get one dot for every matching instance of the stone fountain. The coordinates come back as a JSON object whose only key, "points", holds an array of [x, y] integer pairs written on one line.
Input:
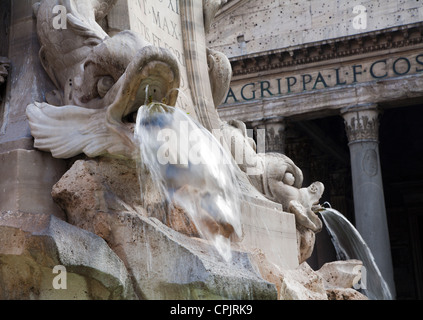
{"points": [[116, 236]]}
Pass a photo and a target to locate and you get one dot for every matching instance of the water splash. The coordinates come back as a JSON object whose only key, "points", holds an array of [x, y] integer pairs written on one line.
{"points": [[182, 164], [349, 244]]}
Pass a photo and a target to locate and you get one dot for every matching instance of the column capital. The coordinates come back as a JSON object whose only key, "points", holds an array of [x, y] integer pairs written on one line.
{"points": [[362, 122]]}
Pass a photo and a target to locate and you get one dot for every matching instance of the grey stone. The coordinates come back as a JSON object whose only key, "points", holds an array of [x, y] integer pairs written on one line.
{"points": [[27, 177], [101, 196], [32, 245]]}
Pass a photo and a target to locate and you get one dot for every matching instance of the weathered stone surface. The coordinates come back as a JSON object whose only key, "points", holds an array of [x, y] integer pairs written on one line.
{"points": [[27, 177], [119, 247], [306, 239], [270, 231], [241, 28], [339, 278], [26, 81], [102, 196], [344, 294], [31, 245], [333, 281], [99, 85], [362, 127], [278, 178], [166, 264], [88, 192], [302, 284], [341, 274]]}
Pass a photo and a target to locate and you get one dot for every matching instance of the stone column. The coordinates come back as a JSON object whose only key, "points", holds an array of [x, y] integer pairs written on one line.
{"points": [[362, 126]]}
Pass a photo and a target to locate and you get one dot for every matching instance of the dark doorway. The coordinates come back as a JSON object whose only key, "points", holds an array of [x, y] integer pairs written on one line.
{"points": [[401, 152], [320, 148]]}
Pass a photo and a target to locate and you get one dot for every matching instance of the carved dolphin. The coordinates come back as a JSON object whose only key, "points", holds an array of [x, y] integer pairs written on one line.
{"points": [[100, 81]]}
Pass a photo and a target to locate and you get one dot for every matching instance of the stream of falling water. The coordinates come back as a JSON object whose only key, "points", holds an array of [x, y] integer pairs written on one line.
{"points": [[182, 163], [349, 244]]}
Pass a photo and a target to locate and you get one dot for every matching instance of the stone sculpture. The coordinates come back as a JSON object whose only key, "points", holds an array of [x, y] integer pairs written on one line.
{"points": [[100, 88], [280, 180], [101, 83]]}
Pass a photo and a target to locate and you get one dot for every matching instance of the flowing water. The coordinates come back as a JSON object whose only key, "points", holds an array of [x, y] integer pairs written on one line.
{"points": [[182, 164], [349, 244]]}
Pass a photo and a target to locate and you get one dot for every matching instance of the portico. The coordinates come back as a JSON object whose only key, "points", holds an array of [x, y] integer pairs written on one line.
{"points": [[327, 99]]}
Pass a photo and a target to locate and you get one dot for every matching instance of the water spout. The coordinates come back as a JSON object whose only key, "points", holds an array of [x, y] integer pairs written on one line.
{"points": [[182, 165], [349, 244]]}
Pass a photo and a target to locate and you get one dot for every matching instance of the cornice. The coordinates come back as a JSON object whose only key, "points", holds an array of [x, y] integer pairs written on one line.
{"points": [[390, 38]]}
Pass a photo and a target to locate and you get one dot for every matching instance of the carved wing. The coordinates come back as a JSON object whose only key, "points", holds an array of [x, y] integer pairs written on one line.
{"points": [[70, 130]]}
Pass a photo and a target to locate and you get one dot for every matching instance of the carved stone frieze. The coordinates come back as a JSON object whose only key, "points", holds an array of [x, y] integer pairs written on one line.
{"points": [[396, 37]]}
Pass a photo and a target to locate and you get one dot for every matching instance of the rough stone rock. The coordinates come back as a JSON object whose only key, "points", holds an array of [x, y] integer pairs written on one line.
{"points": [[302, 284], [345, 294], [340, 277], [100, 196], [33, 244], [332, 282], [341, 274], [89, 192], [166, 264], [96, 188], [305, 242]]}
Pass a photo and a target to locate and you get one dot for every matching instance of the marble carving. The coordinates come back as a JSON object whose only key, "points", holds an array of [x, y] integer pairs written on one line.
{"points": [[100, 88], [278, 178]]}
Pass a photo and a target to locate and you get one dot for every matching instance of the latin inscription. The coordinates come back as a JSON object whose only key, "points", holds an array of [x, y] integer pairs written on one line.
{"points": [[160, 25], [327, 78], [159, 22]]}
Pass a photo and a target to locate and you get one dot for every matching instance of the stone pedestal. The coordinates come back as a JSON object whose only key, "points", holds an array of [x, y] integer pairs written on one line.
{"points": [[27, 177], [362, 125], [268, 229]]}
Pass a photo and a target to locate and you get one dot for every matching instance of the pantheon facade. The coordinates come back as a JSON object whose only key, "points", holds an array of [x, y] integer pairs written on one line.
{"points": [[338, 87]]}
